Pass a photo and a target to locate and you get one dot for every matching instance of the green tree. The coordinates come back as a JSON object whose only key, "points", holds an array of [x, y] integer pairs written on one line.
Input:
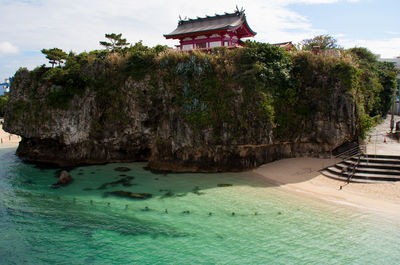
{"points": [[378, 81], [322, 41], [115, 44], [363, 54], [3, 103], [387, 74], [55, 55]]}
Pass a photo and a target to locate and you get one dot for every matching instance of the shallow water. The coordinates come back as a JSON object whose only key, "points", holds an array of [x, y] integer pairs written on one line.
{"points": [[83, 224]]}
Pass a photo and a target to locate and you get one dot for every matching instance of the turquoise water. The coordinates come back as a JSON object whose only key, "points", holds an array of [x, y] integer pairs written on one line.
{"points": [[81, 224]]}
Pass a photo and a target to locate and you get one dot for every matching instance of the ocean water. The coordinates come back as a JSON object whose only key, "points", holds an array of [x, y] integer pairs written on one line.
{"points": [[188, 220]]}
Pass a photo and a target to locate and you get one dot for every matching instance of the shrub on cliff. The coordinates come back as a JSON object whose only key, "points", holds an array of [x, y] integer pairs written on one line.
{"points": [[3, 103], [376, 85], [323, 42], [310, 90]]}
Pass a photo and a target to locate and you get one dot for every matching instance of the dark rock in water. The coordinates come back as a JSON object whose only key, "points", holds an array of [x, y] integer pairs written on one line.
{"points": [[130, 195], [122, 169], [167, 195], [87, 189], [122, 175], [29, 181], [197, 191], [63, 180], [224, 185], [126, 182], [80, 174]]}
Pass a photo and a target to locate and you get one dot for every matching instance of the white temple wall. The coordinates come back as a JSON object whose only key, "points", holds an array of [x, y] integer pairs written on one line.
{"points": [[215, 44]]}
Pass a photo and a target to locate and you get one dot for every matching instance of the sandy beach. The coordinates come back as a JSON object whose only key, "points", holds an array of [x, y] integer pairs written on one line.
{"points": [[6, 139], [301, 175]]}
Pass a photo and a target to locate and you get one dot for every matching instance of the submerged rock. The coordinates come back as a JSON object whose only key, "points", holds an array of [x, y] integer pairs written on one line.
{"points": [[167, 195], [122, 169], [64, 179], [29, 181], [130, 195], [224, 185], [126, 182], [197, 191]]}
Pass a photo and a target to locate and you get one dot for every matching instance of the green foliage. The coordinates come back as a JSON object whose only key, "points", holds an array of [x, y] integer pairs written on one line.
{"points": [[387, 75], [3, 104], [55, 55], [115, 42], [259, 85], [264, 70], [322, 41], [140, 62], [364, 55], [377, 83]]}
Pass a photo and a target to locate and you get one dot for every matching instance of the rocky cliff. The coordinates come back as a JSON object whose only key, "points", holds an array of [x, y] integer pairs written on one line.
{"points": [[223, 111]]}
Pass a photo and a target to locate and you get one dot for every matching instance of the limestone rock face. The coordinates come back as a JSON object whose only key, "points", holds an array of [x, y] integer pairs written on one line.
{"points": [[141, 121]]}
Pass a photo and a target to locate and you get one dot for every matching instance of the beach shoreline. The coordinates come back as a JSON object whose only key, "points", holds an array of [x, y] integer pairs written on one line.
{"points": [[301, 175], [8, 140]]}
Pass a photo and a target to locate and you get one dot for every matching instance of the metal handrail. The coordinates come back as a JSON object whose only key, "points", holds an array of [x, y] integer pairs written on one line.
{"points": [[354, 169], [351, 151]]}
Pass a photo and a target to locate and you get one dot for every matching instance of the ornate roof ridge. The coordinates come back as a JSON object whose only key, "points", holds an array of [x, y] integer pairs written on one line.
{"points": [[207, 17]]}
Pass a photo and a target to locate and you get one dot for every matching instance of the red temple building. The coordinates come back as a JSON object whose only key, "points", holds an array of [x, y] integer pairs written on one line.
{"points": [[287, 46], [212, 31]]}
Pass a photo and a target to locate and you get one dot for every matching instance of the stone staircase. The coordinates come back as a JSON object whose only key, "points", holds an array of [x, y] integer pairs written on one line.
{"points": [[365, 168]]}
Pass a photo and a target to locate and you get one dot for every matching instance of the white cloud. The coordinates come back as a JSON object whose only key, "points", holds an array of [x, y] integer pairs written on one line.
{"points": [[392, 32], [387, 48], [79, 25], [7, 48]]}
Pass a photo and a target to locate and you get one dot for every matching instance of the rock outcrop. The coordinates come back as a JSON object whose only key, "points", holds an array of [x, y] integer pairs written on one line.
{"points": [[152, 119], [64, 179]]}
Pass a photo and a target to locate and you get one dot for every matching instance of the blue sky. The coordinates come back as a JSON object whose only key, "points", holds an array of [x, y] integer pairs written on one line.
{"points": [[27, 26]]}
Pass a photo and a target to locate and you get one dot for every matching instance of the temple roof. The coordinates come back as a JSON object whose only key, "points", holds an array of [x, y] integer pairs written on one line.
{"points": [[228, 21]]}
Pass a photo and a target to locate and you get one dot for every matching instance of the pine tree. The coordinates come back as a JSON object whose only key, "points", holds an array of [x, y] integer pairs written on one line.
{"points": [[55, 55], [115, 44]]}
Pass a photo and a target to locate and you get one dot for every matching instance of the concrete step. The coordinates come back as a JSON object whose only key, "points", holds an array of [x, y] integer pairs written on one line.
{"points": [[374, 160], [374, 176], [383, 156], [371, 168], [338, 177], [363, 175], [370, 164], [391, 170], [383, 171]]}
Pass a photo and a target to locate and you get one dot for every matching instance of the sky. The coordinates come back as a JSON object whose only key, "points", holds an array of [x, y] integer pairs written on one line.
{"points": [[27, 26]]}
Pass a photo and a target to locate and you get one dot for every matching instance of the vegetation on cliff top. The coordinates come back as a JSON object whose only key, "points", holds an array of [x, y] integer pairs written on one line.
{"points": [[279, 88], [3, 103]]}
